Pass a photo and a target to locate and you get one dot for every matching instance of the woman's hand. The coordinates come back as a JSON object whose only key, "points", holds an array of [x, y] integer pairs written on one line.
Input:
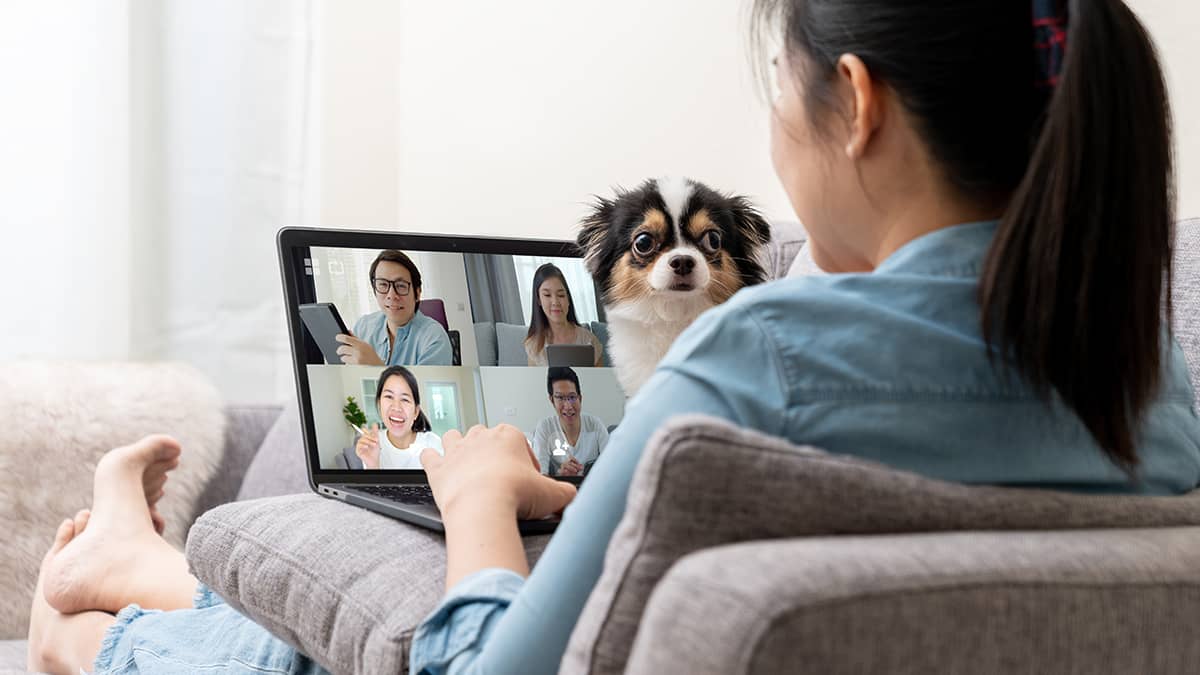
{"points": [[367, 447], [356, 352], [492, 469]]}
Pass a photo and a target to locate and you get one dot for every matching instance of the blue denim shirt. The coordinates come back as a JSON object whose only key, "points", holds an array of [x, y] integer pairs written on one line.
{"points": [[420, 342], [889, 366]]}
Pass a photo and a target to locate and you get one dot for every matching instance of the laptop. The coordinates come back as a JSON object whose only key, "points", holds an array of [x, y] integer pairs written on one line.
{"points": [[484, 287], [570, 355]]}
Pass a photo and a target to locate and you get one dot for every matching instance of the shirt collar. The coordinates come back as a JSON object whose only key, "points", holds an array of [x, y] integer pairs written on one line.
{"points": [[403, 331], [957, 250]]}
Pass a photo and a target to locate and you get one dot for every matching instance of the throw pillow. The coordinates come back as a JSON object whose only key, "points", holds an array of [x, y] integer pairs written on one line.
{"points": [[58, 419]]}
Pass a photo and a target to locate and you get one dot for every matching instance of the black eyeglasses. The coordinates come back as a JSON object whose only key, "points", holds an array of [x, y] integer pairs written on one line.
{"points": [[382, 286]]}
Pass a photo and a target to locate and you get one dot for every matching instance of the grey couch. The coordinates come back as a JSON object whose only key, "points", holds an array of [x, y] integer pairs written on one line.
{"points": [[829, 565]]}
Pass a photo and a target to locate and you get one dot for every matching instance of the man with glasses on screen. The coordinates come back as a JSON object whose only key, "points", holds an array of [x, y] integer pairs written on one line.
{"points": [[396, 335], [568, 442]]}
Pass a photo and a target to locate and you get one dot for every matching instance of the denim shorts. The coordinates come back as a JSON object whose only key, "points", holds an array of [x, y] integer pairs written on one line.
{"points": [[211, 638]]}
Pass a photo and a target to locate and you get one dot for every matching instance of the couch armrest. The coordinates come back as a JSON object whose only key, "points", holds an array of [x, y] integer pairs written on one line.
{"points": [[1099, 601], [345, 586], [245, 428], [771, 489]]}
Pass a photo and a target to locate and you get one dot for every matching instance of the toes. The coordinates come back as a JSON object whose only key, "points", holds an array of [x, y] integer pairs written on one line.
{"points": [[163, 448], [81, 520], [62, 536], [153, 486]]}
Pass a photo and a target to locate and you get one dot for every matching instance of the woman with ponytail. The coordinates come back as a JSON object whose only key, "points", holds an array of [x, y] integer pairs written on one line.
{"points": [[990, 185]]}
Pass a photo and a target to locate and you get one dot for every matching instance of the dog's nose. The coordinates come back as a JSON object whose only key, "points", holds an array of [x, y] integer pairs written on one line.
{"points": [[683, 264]]}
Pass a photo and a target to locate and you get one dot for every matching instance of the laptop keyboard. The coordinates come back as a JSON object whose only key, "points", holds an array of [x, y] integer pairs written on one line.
{"points": [[404, 494]]}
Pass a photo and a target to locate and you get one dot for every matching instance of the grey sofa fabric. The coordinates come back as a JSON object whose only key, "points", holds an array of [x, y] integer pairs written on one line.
{"points": [[279, 468], [485, 342], [786, 239], [1087, 601], [770, 489], [1185, 293], [346, 586], [245, 428], [510, 344], [13, 657]]}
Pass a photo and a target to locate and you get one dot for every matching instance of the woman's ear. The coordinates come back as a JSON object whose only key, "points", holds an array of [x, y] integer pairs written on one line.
{"points": [[866, 109]]}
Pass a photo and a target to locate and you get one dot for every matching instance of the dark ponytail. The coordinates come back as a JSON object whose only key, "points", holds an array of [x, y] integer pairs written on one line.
{"points": [[1074, 285]]}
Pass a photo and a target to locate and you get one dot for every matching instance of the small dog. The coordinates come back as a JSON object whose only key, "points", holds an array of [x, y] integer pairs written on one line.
{"points": [[662, 254]]}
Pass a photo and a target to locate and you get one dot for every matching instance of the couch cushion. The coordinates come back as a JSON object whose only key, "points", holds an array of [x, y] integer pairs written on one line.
{"points": [[246, 426], [279, 468], [344, 585], [485, 342], [786, 239], [510, 344], [1185, 295], [600, 330], [13, 657], [1081, 601], [770, 489]]}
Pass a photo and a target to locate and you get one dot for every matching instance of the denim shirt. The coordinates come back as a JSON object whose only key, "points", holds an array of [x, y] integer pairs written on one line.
{"points": [[420, 342], [888, 365]]}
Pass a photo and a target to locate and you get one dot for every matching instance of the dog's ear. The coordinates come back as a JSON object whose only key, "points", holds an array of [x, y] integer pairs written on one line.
{"points": [[592, 230], [749, 221]]}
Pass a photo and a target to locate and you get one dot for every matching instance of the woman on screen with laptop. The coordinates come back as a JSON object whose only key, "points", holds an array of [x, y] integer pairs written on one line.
{"points": [[552, 319]]}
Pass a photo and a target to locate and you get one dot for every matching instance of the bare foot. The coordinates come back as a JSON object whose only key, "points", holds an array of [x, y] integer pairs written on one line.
{"points": [[117, 557], [60, 643], [40, 613]]}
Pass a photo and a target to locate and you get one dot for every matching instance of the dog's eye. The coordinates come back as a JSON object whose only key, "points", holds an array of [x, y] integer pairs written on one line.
{"points": [[643, 244], [711, 241]]}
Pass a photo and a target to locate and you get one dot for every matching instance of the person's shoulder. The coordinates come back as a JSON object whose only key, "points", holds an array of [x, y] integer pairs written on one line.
{"points": [[762, 321], [802, 290], [825, 301], [368, 323], [594, 422], [428, 325]]}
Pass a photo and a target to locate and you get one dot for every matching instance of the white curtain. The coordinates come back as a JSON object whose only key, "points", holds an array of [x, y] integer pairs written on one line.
{"points": [[152, 150], [238, 162]]}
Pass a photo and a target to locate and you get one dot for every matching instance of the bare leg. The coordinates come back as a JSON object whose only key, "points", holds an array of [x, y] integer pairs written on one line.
{"points": [[120, 559], [63, 643]]}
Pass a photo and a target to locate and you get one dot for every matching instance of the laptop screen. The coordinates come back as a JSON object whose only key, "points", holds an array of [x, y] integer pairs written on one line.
{"points": [[497, 331]]}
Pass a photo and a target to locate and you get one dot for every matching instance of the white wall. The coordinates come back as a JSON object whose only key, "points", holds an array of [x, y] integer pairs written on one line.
{"points": [[328, 396], [447, 279], [517, 396], [507, 117], [487, 121], [65, 180], [1175, 25]]}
